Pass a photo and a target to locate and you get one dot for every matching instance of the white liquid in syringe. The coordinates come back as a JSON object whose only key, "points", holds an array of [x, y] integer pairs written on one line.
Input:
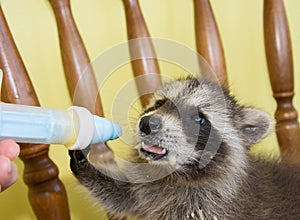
{"points": [[75, 127]]}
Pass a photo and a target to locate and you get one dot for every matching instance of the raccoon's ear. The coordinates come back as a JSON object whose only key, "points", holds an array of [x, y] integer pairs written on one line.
{"points": [[255, 125]]}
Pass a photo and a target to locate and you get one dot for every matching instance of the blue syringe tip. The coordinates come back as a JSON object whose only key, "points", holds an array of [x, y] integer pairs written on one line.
{"points": [[105, 130]]}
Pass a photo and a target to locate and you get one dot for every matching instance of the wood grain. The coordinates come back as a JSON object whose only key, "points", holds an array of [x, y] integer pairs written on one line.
{"points": [[144, 63], [280, 65], [76, 63], [79, 73], [46, 192], [208, 41]]}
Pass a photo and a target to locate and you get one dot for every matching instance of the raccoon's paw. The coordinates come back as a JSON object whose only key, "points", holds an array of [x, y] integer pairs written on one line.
{"points": [[78, 161]]}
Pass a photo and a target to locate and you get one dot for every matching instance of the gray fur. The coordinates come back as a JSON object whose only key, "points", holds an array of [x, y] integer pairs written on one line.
{"points": [[207, 172]]}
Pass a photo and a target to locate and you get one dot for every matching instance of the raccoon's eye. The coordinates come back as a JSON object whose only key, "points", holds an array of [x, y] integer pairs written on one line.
{"points": [[199, 118], [159, 103]]}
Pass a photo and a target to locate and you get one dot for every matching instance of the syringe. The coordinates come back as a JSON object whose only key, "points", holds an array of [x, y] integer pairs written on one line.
{"points": [[75, 128]]}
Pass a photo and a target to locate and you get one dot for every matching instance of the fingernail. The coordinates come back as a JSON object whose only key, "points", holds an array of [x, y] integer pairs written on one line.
{"points": [[6, 163]]}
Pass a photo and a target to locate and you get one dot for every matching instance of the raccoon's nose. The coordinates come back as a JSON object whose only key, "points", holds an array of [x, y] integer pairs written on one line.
{"points": [[150, 124]]}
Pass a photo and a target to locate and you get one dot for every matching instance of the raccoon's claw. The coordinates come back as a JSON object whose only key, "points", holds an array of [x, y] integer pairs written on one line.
{"points": [[78, 160]]}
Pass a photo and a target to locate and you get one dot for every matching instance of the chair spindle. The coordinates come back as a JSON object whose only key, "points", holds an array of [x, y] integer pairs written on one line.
{"points": [[46, 192], [141, 46], [208, 40], [280, 66], [79, 73]]}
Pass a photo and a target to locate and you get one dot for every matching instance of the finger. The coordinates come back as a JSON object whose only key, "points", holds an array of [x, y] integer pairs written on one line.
{"points": [[9, 148], [8, 172]]}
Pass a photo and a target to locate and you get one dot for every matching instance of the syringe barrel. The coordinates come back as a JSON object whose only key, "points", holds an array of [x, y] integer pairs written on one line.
{"points": [[30, 124], [76, 127]]}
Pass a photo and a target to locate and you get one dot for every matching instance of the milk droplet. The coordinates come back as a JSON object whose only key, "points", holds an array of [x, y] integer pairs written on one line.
{"points": [[172, 158]]}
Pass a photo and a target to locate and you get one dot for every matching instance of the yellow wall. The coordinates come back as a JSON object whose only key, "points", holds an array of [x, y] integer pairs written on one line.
{"points": [[102, 25]]}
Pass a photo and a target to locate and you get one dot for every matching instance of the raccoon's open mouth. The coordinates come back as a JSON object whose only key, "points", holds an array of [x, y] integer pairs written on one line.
{"points": [[154, 152]]}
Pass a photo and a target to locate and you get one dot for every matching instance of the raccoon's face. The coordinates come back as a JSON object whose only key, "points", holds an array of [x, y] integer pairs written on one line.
{"points": [[195, 122]]}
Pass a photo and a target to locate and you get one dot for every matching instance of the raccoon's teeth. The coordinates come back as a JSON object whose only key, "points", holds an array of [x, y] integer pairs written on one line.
{"points": [[154, 149]]}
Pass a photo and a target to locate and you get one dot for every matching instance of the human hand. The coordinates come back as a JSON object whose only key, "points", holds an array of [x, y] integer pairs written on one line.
{"points": [[9, 150]]}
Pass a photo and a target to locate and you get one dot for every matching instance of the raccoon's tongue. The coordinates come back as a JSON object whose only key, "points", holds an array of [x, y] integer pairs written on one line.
{"points": [[154, 149]]}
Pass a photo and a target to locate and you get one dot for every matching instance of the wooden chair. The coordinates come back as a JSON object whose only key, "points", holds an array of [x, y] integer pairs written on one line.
{"points": [[280, 65], [209, 45], [46, 192]]}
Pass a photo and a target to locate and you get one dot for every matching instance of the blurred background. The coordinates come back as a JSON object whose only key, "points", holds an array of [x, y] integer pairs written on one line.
{"points": [[102, 26]]}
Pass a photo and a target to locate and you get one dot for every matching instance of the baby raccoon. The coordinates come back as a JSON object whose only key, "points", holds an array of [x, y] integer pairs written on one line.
{"points": [[194, 142]]}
